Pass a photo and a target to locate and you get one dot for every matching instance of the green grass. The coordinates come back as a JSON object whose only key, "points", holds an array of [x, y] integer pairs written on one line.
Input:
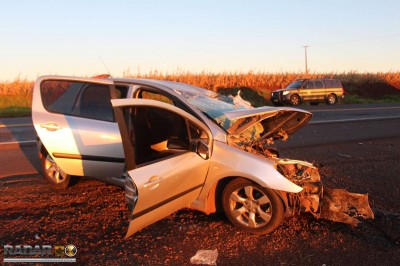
{"points": [[15, 111], [14, 106]]}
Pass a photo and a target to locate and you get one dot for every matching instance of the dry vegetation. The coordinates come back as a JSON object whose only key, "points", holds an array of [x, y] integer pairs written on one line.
{"points": [[257, 86], [15, 96], [266, 82]]}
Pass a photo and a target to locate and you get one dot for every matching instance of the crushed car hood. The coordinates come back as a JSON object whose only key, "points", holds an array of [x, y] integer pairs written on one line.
{"points": [[267, 122]]}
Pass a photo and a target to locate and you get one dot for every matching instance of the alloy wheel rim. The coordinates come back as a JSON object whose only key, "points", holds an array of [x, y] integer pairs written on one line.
{"points": [[53, 171], [250, 206]]}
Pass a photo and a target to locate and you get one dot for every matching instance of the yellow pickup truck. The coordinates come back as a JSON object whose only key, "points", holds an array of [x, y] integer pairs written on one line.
{"points": [[314, 91]]}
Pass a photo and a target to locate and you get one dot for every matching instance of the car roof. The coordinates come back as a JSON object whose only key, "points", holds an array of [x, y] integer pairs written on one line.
{"points": [[178, 87]]}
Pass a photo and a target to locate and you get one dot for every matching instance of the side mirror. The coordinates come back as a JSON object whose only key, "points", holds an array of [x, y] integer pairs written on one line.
{"points": [[202, 150]]}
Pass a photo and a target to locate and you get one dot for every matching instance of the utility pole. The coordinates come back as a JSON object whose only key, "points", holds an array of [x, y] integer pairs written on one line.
{"points": [[305, 57]]}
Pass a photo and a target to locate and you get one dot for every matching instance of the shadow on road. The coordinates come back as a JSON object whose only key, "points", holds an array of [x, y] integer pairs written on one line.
{"points": [[18, 149]]}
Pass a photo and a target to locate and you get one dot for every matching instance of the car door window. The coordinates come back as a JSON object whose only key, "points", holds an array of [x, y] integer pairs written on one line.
{"points": [[88, 100], [59, 96], [95, 103], [197, 133], [158, 134], [144, 94]]}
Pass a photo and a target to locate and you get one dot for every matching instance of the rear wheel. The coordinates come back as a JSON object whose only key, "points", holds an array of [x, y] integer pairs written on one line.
{"points": [[251, 207], [295, 100], [331, 99], [53, 174]]}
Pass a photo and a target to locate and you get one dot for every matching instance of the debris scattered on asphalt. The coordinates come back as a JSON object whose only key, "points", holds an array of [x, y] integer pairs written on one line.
{"points": [[344, 155], [205, 257]]}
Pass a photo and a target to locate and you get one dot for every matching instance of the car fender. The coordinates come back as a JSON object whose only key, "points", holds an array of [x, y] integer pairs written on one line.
{"points": [[228, 161]]}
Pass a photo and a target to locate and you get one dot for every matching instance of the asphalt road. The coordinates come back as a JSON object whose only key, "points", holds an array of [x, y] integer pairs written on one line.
{"points": [[330, 124], [352, 112], [360, 155]]}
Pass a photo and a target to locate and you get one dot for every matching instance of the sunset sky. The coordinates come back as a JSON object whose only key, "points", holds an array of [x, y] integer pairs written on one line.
{"points": [[41, 37]]}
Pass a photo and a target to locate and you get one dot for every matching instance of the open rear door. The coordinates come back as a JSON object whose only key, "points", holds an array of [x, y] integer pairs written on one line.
{"points": [[167, 168], [74, 119]]}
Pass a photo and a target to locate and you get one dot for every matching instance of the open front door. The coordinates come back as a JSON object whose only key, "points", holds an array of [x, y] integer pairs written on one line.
{"points": [[166, 152]]}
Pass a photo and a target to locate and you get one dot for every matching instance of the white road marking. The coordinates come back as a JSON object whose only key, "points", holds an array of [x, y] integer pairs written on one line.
{"points": [[354, 119], [17, 142], [16, 125], [356, 109]]}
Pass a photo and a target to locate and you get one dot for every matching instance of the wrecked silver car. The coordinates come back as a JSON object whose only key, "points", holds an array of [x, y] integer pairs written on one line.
{"points": [[173, 145]]}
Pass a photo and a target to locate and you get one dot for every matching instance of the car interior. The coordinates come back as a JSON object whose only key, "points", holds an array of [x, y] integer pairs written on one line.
{"points": [[157, 134]]}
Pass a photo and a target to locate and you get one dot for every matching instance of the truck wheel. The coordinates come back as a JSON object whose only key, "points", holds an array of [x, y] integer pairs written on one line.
{"points": [[331, 99], [295, 100]]}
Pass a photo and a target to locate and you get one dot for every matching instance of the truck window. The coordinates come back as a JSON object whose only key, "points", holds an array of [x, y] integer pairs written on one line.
{"points": [[319, 84], [309, 85]]}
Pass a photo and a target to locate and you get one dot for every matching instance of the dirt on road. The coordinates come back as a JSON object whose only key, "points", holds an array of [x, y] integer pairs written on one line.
{"points": [[93, 217]]}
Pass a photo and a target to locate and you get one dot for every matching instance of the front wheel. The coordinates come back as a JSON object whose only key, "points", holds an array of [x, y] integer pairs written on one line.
{"points": [[295, 100], [53, 174], [252, 208]]}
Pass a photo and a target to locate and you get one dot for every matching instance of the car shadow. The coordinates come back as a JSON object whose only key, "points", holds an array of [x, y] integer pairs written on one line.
{"points": [[18, 147]]}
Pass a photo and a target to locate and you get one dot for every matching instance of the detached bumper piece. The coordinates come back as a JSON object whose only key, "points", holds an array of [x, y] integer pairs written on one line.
{"points": [[339, 205], [336, 205]]}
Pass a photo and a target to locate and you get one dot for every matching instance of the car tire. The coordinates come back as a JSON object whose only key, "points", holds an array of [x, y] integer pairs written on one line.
{"points": [[295, 100], [331, 99], [53, 174], [241, 203]]}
